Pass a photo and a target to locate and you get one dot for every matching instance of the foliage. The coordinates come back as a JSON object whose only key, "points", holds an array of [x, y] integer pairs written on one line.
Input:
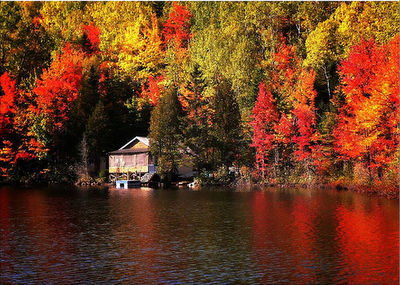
{"points": [[300, 91], [55, 93], [367, 130], [265, 118], [164, 133]]}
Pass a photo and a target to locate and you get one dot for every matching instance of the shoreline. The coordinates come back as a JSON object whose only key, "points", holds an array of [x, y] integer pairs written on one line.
{"points": [[391, 192]]}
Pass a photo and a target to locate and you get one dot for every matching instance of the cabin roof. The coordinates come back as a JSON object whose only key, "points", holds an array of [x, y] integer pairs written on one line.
{"points": [[142, 139], [129, 151]]}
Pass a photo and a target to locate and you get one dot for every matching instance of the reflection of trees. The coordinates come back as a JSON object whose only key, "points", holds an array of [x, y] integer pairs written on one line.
{"points": [[369, 242], [284, 237], [329, 238]]}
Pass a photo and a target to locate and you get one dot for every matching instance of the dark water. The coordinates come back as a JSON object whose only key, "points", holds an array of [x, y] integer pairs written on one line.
{"points": [[212, 236]]}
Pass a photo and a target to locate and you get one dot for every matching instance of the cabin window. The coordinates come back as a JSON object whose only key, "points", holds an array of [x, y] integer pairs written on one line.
{"points": [[141, 159], [128, 159], [114, 161]]}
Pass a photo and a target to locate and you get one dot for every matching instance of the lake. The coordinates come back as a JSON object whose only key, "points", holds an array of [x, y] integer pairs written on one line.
{"points": [[207, 236]]}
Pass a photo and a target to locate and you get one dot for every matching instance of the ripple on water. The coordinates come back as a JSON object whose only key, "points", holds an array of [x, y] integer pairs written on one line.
{"points": [[202, 237]]}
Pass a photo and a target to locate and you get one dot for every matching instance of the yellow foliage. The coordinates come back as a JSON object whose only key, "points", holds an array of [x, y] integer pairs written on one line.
{"points": [[332, 39]]}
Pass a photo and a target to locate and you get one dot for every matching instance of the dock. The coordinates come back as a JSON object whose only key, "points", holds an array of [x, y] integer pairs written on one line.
{"points": [[126, 184], [147, 180]]}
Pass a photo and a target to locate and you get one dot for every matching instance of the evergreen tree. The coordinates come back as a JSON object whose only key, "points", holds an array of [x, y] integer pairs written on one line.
{"points": [[196, 122], [225, 132], [164, 133], [98, 133]]}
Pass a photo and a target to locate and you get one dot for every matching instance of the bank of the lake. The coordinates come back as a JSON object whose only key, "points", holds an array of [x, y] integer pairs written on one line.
{"points": [[388, 191]]}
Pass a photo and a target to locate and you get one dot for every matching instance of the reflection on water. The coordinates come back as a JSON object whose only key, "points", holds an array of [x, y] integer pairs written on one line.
{"points": [[145, 236]]}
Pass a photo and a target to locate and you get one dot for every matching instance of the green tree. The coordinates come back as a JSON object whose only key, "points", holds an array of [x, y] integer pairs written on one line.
{"points": [[63, 21], [25, 46], [225, 43], [196, 121], [98, 134], [164, 133], [225, 130]]}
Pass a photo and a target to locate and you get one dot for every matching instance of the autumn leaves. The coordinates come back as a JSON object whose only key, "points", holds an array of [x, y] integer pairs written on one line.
{"points": [[364, 111], [312, 87]]}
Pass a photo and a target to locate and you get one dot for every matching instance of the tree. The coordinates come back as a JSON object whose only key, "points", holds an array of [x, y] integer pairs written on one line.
{"points": [[304, 111], [265, 117], [7, 114], [98, 134], [62, 21], [7, 103], [331, 40], [164, 133], [91, 39], [225, 128], [196, 121], [55, 92], [18, 148], [154, 90], [225, 44], [131, 40], [83, 163], [25, 46], [366, 131], [177, 27]]}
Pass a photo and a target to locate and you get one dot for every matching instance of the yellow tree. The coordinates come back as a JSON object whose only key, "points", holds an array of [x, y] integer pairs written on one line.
{"points": [[63, 21], [129, 39]]}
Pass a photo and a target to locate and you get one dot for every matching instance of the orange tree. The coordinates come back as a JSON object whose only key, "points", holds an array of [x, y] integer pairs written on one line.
{"points": [[367, 130]]}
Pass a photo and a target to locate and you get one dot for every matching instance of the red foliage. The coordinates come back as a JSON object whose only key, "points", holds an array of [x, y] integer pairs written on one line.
{"points": [[304, 112], [285, 67], [368, 121], [59, 87], [283, 130], [265, 118], [153, 92], [24, 156], [93, 34], [7, 115], [7, 101], [7, 105], [37, 21], [177, 26]]}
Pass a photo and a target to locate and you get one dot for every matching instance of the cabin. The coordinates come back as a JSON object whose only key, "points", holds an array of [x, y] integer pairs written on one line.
{"points": [[132, 161]]}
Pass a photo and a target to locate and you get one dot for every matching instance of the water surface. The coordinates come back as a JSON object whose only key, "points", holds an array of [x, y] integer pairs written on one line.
{"points": [[210, 236]]}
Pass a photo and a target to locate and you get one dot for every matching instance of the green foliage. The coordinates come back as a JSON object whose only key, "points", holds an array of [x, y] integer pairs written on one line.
{"points": [[25, 45], [225, 129], [164, 133], [98, 132]]}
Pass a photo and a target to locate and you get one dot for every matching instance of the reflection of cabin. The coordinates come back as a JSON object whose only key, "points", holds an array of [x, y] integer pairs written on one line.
{"points": [[132, 160]]}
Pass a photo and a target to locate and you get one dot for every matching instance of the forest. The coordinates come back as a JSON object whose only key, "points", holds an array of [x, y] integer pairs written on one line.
{"points": [[284, 92]]}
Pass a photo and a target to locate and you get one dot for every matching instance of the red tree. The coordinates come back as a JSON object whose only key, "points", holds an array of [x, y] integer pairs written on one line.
{"points": [[177, 26], [7, 113], [93, 35], [16, 144], [55, 92], [367, 131], [153, 92], [306, 134], [7, 104], [265, 118]]}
